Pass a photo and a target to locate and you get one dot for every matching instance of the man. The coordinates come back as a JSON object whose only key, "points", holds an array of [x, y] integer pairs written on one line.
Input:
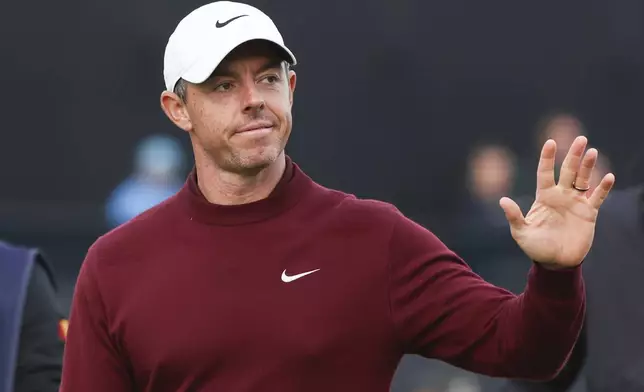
{"points": [[253, 277], [32, 328], [609, 355]]}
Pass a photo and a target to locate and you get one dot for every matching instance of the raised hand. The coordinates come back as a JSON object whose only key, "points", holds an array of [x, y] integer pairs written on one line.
{"points": [[558, 230]]}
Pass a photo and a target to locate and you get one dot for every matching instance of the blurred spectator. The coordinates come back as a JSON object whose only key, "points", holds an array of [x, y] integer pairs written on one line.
{"points": [[32, 328], [483, 237], [158, 174], [563, 128], [491, 170]]}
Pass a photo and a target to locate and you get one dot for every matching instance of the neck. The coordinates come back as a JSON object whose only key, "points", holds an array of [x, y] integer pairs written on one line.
{"points": [[226, 188]]}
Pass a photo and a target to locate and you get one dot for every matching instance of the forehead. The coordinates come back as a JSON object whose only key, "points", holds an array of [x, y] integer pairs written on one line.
{"points": [[256, 50]]}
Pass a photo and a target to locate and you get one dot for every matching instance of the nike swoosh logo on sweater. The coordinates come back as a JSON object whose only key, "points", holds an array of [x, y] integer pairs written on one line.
{"points": [[288, 279]]}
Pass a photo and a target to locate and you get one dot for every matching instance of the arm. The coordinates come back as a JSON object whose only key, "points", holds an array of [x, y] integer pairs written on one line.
{"points": [[41, 347], [92, 361], [442, 310], [564, 381]]}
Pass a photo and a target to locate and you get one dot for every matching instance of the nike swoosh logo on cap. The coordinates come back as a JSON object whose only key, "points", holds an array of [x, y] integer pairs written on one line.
{"points": [[219, 25], [287, 279]]}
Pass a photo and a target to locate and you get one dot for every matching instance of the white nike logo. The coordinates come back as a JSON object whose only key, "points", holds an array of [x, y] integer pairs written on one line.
{"points": [[287, 279]]}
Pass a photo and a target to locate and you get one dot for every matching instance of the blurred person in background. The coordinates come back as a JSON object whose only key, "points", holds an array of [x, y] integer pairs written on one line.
{"points": [[563, 128], [491, 174], [32, 327], [560, 126], [609, 356], [254, 275], [158, 174], [482, 237]]}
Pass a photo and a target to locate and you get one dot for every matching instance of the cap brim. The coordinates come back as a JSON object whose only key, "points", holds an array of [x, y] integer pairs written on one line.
{"points": [[202, 69]]}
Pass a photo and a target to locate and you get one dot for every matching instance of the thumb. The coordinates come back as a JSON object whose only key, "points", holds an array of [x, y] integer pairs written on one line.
{"points": [[512, 212]]}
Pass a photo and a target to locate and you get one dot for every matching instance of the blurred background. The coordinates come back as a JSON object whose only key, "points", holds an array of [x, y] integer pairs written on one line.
{"points": [[439, 107]]}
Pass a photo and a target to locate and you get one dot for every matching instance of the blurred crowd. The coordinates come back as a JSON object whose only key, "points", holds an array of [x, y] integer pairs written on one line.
{"points": [[480, 231]]}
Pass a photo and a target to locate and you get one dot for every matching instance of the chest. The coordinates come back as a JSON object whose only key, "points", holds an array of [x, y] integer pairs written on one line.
{"points": [[284, 307]]}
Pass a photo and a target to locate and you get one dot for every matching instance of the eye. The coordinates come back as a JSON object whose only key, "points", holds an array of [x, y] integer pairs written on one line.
{"points": [[270, 79], [225, 86]]}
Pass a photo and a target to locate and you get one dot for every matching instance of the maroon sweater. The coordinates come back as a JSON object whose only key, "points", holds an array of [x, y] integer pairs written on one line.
{"points": [[192, 296]]}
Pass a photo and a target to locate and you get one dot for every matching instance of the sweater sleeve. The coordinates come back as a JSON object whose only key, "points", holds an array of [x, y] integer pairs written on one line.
{"points": [[92, 361], [442, 310], [570, 374]]}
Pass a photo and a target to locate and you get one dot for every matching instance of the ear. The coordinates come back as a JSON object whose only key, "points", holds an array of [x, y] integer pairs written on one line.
{"points": [[292, 78], [176, 110]]}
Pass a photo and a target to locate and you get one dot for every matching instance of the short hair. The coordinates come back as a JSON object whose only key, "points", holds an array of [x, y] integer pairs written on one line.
{"points": [[181, 88]]}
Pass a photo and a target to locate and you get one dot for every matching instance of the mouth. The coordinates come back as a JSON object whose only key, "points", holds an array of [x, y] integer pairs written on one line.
{"points": [[256, 128]]}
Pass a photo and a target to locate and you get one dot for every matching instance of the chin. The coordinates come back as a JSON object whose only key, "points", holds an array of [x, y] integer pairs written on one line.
{"points": [[254, 159]]}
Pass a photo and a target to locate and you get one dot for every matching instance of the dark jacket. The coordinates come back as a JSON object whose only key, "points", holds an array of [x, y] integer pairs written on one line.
{"points": [[31, 324]]}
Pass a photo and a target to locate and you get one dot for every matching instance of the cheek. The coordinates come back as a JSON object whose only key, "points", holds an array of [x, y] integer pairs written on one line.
{"points": [[280, 105], [212, 120]]}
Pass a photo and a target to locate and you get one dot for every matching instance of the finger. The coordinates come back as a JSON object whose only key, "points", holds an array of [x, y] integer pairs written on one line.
{"points": [[546, 169], [512, 212], [601, 192], [586, 169], [570, 165]]}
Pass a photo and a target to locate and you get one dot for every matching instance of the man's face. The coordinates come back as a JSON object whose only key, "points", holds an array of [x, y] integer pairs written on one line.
{"points": [[241, 116], [492, 172]]}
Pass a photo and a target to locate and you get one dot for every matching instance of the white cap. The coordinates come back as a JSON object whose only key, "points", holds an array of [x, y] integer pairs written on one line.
{"points": [[208, 34]]}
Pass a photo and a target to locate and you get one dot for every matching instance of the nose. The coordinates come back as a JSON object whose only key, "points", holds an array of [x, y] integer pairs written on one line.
{"points": [[253, 100]]}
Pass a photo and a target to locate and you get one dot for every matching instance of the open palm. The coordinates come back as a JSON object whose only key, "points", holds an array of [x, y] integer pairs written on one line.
{"points": [[558, 230]]}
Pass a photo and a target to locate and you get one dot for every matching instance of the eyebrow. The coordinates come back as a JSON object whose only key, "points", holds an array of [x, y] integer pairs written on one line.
{"points": [[225, 71]]}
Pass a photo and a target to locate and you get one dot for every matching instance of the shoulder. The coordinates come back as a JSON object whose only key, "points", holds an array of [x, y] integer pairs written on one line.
{"points": [[375, 209], [407, 245], [351, 211], [382, 228], [406, 236], [355, 213], [347, 203], [39, 263], [145, 231], [8, 249]]}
